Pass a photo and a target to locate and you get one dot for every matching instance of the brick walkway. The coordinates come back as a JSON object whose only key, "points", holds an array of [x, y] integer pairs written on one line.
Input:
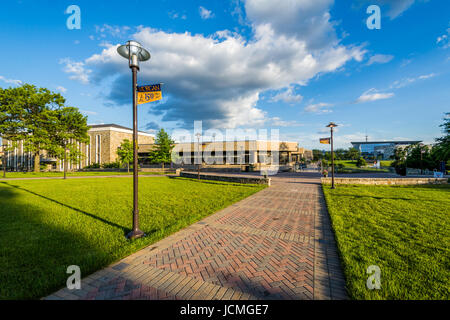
{"points": [[276, 244]]}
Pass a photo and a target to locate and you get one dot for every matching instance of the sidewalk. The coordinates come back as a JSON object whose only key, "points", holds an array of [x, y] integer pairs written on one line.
{"points": [[276, 244]]}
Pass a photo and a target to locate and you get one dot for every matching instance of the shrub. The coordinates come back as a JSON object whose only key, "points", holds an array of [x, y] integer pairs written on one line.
{"points": [[110, 165], [93, 166], [361, 162]]}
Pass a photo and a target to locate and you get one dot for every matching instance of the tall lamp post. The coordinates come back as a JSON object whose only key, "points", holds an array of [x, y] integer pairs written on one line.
{"points": [[134, 52], [198, 135], [332, 125]]}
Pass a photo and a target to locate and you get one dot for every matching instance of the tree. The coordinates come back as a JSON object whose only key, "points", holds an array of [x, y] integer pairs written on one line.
{"points": [[317, 155], [29, 112], [68, 128], [163, 148], [352, 154], [361, 162], [125, 153], [441, 150]]}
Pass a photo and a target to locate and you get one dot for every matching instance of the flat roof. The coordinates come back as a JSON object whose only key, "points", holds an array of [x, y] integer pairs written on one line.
{"points": [[113, 125], [380, 142]]}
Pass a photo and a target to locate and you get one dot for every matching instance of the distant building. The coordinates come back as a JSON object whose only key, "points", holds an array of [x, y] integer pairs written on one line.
{"points": [[381, 150]]}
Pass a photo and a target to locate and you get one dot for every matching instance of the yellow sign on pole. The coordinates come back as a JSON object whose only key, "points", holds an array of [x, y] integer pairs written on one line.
{"points": [[325, 140], [149, 93]]}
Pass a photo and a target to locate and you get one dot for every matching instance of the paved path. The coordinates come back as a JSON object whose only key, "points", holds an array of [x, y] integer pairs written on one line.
{"points": [[276, 244]]}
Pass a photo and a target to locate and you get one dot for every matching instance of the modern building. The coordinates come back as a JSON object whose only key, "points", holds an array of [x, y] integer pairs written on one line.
{"points": [[380, 150]]}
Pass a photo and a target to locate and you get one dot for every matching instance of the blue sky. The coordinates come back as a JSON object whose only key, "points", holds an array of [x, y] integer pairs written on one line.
{"points": [[291, 65]]}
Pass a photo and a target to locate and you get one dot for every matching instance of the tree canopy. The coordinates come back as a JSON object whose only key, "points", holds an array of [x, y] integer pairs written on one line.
{"points": [[125, 152], [163, 148], [39, 118]]}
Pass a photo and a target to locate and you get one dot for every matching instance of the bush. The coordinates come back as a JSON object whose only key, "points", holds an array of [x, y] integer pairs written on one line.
{"points": [[110, 165], [93, 166], [361, 162]]}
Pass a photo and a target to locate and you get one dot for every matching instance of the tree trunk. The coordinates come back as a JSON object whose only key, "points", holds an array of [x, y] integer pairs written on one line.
{"points": [[162, 166], [37, 162], [128, 167], [65, 162]]}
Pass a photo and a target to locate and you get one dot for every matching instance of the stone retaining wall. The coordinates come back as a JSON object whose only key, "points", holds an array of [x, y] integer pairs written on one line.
{"points": [[386, 181], [236, 179]]}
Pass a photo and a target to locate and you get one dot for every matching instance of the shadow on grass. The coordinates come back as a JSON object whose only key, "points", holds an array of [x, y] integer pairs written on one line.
{"points": [[112, 224], [34, 255]]}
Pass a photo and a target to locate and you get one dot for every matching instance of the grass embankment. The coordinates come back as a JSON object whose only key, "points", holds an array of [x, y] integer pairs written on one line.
{"points": [[47, 225], [405, 230]]}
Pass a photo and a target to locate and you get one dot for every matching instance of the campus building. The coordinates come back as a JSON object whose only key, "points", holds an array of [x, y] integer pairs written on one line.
{"points": [[380, 150], [104, 140]]}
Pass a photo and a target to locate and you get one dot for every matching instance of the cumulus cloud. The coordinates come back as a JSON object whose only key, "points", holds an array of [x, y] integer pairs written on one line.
{"points": [[205, 13], [380, 58], [288, 95], [321, 107], [76, 69], [219, 78], [11, 81], [373, 95]]}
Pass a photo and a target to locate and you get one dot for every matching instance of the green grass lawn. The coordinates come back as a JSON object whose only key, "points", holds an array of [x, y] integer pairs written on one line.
{"points": [[350, 167], [47, 225], [13, 175], [405, 230]]}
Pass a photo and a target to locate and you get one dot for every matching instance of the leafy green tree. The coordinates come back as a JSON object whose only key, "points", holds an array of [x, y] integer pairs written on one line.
{"points": [[29, 114], [125, 153], [317, 154], [441, 150], [161, 153], [352, 154], [68, 128], [361, 162]]}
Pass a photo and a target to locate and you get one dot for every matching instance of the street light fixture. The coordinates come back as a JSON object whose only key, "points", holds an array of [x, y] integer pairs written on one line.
{"points": [[134, 52], [332, 125]]}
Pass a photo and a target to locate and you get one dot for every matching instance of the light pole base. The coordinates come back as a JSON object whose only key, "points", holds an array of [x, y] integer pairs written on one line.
{"points": [[135, 234]]}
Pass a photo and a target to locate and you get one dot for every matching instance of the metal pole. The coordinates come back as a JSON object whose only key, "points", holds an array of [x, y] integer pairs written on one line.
{"points": [[136, 232], [198, 155], [332, 161]]}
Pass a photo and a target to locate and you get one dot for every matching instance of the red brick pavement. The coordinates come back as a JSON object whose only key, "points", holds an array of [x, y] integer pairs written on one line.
{"points": [[276, 244]]}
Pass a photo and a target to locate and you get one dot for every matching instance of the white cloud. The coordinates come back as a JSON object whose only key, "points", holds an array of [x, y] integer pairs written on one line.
{"points": [[61, 88], [318, 108], [407, 81], [444, 39], [219, 78], [205, 13], [288, 96], [11, 81], [380, 58], [76, 69], [277, 122], [89, 113], [114, 31], [373, 95]]}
